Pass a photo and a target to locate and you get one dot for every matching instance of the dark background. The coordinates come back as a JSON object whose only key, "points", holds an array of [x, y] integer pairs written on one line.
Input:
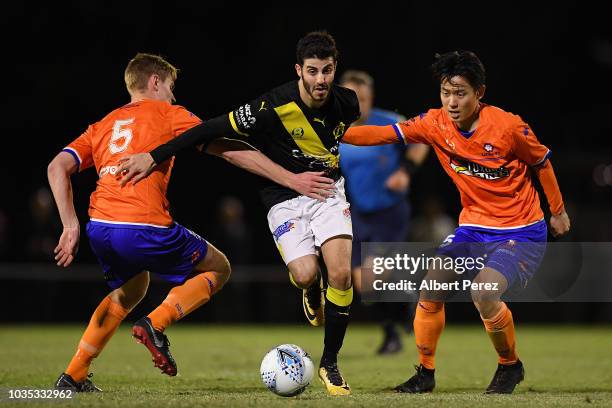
{"points": [[63, 69]]}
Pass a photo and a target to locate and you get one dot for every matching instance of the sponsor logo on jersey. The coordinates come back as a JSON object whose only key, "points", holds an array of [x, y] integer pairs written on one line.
{"points": [[283, 229], [489, 150], [112, 170], [244, 117], [450, 144], [339, 130], [468, 168], [297, 133], [321, 121]]}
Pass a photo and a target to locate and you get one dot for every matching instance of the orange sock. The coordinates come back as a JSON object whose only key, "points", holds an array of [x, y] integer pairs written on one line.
{"points": [[428, 325], [104, 322], [500, 329], [183, 299]]}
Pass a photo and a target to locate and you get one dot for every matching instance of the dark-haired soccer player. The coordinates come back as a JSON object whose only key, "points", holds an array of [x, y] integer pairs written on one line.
{"points": [[298, 125], [489, 154]]}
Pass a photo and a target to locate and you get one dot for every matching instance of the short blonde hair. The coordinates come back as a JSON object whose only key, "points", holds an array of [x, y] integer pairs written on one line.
{"points": [[142, 66]]}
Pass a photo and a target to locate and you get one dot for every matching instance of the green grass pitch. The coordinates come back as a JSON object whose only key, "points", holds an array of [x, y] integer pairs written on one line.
{"points": [[219, 366]]}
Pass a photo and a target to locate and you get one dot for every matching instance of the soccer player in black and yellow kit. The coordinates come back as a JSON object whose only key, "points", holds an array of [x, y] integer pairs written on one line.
{"points": [[297, 125]]}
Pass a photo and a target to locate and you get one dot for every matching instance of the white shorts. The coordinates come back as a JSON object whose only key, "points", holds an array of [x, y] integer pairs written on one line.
{"points": [[301, 224]]}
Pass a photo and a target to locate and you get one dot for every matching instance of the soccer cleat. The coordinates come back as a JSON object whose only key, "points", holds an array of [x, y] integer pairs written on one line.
{"points": [[391, 345], [157, 343], [422, 381], [66, 382], [506, 378], [333, 381], [313, 300]]}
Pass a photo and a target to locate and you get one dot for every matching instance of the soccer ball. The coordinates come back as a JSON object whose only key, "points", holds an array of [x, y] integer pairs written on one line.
{"points": [[287, 370]]}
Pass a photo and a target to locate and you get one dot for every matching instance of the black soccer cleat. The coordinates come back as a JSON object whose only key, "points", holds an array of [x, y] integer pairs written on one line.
{"points": [[157, 343], [391, 345], [422, 381], [506, 378], [66, 382]]}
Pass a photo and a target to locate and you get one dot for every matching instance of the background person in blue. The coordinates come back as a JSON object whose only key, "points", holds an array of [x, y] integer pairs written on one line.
{"points": [[377, 181]]}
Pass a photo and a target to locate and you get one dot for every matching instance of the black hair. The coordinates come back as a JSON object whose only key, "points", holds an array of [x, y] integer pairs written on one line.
{"points": [[459, 63], [316, 44]]}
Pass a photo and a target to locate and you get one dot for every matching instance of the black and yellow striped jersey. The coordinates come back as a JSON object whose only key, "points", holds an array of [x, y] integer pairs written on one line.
{"points": [[299, 138]]}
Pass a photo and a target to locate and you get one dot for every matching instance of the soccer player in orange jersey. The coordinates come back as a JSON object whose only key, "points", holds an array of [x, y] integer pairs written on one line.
{"points": [[490, 155], [130, 229]]}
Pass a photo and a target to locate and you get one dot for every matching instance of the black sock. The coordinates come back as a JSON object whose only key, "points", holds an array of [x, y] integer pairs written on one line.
{"points": [[336, 322]]}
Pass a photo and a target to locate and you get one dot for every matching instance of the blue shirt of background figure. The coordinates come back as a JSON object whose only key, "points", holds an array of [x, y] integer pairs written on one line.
{"points": [[366, 168]]}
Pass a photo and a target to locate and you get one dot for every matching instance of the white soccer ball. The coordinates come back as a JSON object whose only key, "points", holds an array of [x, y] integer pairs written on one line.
{"points": [[287, 370]]}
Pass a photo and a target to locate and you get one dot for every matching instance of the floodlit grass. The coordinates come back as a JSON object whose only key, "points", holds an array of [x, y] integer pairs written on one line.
{"points": [[219, 366]]}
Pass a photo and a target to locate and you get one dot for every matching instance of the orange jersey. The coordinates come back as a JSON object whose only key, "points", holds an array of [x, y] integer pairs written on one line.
{"points": [[134, 128], [490, 167]]}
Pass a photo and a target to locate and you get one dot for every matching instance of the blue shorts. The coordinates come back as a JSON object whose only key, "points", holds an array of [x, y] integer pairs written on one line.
{"points": [[126, 250], [515, 253], [388, 225]]}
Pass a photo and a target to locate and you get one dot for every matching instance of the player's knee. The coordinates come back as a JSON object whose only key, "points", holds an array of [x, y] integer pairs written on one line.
{"points": [[487, 308], [130, 294], [225, 269], [484, 292], [340, 277], [303, 278], [304, 271]]}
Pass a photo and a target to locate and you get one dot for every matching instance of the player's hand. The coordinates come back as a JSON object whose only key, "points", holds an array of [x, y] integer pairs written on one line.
{"points": [[312, 184], [560, 224], [68, 245], [135, 167], [398, 181]]}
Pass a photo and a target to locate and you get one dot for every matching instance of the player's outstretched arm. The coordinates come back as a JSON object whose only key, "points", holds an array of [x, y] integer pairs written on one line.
{"points": [[240, 154], [370, 135], [559, 220], [58, 172], [138, 166]]}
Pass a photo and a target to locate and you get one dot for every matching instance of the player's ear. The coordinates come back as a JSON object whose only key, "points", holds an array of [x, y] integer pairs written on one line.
{"points": [[298, 70], [154, 81], [480, 92]]}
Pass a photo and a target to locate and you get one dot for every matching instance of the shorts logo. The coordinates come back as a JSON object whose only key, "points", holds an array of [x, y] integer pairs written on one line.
{"points": [[195, 256], [488, 147], [283, 229], [346, 212]]}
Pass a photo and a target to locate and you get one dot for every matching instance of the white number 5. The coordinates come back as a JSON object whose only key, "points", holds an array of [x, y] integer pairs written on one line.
{"points": [[119, 133]]}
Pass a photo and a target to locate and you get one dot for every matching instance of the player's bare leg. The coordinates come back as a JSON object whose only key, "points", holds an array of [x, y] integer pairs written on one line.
{"points": [[304, 274], [339, 296], [499, 325], [104, 322], [208, 278]]}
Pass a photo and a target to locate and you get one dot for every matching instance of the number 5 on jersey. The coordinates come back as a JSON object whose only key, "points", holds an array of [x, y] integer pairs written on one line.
{"points": [[116, 145]]}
